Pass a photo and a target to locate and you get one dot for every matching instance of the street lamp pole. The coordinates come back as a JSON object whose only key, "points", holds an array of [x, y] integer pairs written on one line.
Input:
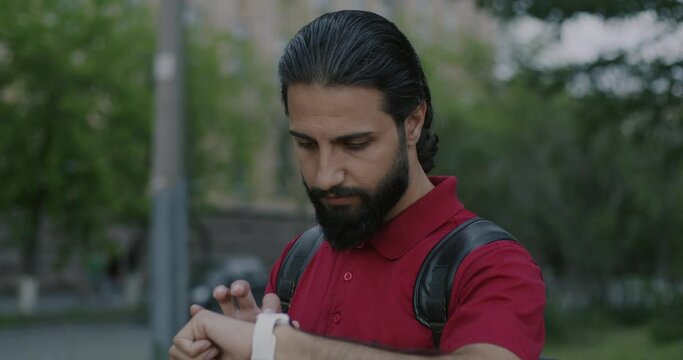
{"points": [[168, 302]]}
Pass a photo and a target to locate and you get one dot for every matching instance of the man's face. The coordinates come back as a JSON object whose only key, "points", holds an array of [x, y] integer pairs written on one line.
{"points": [[353, 161]]}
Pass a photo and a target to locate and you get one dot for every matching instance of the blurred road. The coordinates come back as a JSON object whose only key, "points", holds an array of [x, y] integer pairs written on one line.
{"points": [[105, 341]]}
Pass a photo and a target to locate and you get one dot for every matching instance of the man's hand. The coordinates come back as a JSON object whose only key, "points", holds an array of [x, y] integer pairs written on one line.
{"points": [[191, 350], [238, 301], [226, 337]]}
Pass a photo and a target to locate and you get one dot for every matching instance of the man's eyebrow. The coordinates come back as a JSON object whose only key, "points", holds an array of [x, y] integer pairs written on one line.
{"points": [[343, 138], [299, 135], [353, 136]]}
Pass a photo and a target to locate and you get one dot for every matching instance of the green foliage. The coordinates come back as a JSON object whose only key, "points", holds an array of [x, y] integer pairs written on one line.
{"points": [[75, 103], [512, 147], [594, 333], [75, 108], [613, 343], [586, 172], [588, 179], [574, 327], [225, 87], [667, 326]]}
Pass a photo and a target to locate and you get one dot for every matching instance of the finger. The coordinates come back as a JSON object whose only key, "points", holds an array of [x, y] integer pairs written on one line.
{"points": [[241, 291], [192, 338], [271, 303], [296, 324], [181, 347], [175, 354], [210, 354], [222, 295], [191, 348], [194, 309]]}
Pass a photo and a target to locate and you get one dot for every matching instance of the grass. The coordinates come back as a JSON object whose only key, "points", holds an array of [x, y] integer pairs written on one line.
{"points": [[135, 314], [606, 333], [614, 342]]}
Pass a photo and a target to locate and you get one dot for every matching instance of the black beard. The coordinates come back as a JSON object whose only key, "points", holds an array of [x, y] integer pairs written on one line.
{"points": [[348, 226]]}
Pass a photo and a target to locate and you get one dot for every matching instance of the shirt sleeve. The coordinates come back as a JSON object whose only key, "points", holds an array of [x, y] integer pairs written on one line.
{"points": [[272, 279], [498, 297]]}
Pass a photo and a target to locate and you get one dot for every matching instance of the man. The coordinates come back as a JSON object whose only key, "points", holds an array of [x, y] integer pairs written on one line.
{"points": [[360, 116]]}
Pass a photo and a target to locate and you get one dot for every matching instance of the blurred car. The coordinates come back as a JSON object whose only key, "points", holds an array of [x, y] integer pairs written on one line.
{"points": [[238, 267]]}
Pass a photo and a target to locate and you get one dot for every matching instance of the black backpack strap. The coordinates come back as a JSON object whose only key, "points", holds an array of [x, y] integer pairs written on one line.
{"points": [[435, 279], [295, 262]]}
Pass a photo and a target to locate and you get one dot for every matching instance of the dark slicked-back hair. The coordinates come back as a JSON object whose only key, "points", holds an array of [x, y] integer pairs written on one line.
{"points": [[360, 48]]}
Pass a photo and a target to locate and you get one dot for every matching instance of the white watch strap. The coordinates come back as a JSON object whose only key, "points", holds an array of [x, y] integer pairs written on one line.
{"points": [[263, 340]]}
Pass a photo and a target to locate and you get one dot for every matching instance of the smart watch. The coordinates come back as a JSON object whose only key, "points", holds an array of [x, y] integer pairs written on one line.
{"points": [[263, 340]]}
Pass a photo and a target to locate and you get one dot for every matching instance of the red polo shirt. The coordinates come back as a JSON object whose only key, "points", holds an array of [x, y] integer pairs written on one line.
{"points": [[366, 294]]}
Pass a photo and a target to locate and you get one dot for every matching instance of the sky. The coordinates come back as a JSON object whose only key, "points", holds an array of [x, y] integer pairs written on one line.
{"points": [[585, 37]]}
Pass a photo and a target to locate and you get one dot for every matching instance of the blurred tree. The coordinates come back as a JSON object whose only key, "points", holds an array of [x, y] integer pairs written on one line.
{"points": [[225, 87], [233, 109], [75, 105], [584, 169], [509, 144]]}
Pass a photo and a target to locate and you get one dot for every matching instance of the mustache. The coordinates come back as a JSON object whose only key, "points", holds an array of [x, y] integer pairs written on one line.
{"points": [[336, 191]]}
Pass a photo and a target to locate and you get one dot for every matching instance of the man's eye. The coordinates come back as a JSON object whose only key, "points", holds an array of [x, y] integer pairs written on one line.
{"points": [[356, 145], [305, 144]]}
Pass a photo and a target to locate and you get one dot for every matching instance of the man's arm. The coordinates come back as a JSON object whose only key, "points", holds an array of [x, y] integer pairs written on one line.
{"points": [[233, 337], [295, 344]]}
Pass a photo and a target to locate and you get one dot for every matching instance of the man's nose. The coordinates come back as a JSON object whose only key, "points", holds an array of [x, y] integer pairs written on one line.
{"points": [[329, 172]]}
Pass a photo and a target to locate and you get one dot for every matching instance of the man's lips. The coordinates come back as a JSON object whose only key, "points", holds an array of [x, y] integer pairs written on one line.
{"points": [[338, 200]]}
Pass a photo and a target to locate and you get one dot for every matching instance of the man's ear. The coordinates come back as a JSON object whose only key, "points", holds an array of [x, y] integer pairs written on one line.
{"points": [[414, 123]]}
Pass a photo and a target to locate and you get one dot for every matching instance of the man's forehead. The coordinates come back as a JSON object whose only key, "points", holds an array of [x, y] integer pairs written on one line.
{"points": [[316, 86], [334, 128], [329, 98]]}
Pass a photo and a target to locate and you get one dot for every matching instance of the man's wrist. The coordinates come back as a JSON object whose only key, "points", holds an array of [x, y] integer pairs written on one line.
{"points": [[290, 344], [264, 341]]}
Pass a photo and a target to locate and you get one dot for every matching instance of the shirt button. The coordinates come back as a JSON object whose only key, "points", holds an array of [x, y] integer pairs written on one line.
{"points": [[336, 317], [348, 276]]}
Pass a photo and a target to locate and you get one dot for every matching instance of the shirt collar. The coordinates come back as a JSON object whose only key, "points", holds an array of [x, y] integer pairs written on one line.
{"points": [[417, 221]]}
